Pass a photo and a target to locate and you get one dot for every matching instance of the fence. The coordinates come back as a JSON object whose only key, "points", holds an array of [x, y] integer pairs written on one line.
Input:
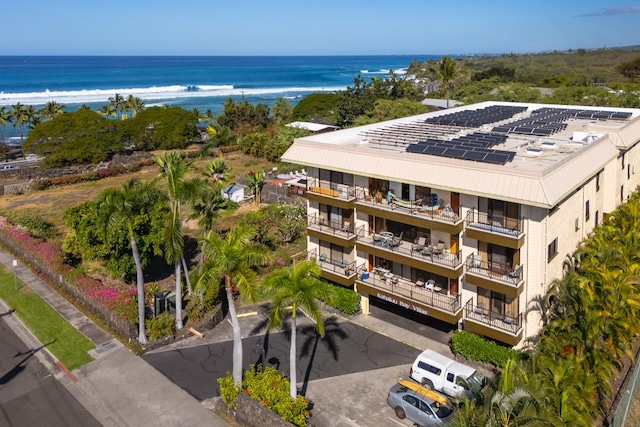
{"points": [[626, 396], [114, 320]]}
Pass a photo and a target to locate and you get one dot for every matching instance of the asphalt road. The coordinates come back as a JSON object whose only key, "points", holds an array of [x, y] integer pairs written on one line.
{"points": [[29, 394], [346, 349]]}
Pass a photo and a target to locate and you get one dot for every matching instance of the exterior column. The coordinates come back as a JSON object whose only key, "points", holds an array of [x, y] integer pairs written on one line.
{"points": [[364, 303]]}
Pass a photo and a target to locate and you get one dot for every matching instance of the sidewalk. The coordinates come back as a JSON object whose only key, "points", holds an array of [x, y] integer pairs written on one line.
{"points": [[118, 388]]}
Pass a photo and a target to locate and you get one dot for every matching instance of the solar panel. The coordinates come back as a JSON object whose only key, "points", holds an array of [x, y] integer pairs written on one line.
{"points": [[434, 150], [474, 155], [455, 153], [416, 148], [497, 158]]}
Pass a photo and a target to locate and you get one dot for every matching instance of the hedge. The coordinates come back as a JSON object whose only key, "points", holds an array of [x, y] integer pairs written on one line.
{"points": [[475, 347]]}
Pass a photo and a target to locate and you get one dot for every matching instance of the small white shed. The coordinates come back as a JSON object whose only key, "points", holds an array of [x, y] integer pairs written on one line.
{"points": [[234, 193]]}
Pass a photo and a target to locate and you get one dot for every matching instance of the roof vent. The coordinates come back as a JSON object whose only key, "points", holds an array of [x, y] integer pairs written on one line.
{"points": [[532, 151], [549, 145], [364, 141]]}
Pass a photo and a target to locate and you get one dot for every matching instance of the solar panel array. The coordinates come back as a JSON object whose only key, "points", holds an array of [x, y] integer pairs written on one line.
{"points": [[476, 147], [477, 118], [547, 121]]}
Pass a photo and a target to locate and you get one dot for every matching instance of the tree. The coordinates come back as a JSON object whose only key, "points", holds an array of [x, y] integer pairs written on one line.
{"points": [[298, 287], [173, 167], [108, 110], [448, 72], [281, 111], [5, 117], [118, 103], [230, 259], [134, 104], [51, 110], [122, 204], [256, 182], [19, 117]]}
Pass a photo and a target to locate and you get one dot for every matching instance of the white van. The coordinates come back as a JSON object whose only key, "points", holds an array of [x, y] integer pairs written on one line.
{"points": [[440, 373]]}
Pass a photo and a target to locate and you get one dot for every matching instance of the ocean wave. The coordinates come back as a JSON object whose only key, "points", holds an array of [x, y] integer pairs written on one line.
{"points": [[149, 93], [385, 71]]}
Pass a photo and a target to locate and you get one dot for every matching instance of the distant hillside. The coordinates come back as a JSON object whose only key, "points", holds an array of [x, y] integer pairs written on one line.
{"points": [[580, 65]]}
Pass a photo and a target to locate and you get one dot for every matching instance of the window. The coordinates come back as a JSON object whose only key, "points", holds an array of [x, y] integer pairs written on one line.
{"points": [[597, 217], [450, 377], [587, 213], [628, 171], [622, 157], [430, 368], [411, 400], [577, 224], [552, 250], [598, 182], [622, 193]]}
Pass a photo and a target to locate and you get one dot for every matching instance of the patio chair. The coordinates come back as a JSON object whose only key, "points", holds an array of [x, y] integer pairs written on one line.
{"points": [[323, 257], [395, 241], [419, 245], [377, 239], [345, 226]]}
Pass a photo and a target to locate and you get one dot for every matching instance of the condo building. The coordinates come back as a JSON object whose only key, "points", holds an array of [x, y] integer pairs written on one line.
{"points": [[465, 215]]}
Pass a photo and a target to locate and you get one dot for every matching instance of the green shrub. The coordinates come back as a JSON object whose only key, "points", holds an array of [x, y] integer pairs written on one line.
{"points": [[40, 184], [345, 300], [271, 389], [36, 226], [160, 326], [475, 347]]}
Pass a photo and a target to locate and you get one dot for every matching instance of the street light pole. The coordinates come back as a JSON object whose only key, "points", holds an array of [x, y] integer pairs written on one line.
{"points": [[15, 276]]}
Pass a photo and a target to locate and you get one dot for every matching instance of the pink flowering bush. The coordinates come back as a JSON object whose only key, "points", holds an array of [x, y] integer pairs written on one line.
{"points": [[121, 301]]}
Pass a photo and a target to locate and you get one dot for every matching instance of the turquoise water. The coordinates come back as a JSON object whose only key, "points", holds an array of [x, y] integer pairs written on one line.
{"points": [[188, 82]]}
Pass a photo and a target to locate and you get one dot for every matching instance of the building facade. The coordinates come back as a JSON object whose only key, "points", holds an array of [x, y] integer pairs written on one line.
{"points": [[465, 215]]}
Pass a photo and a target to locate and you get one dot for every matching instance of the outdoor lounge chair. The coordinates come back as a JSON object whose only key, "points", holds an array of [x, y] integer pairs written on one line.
{"points": [[420, 244], [395, 241]]}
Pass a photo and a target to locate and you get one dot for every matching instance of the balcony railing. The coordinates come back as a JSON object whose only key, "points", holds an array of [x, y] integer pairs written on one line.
{"points": [[440, 212], [332, 189], [341, 267], [493, 319], [495, 224], [494, 270], [386, 281], [429, 253], [339, 228]]}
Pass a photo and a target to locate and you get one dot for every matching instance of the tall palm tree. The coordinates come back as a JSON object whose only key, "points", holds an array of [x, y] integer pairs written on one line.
{"points": [[208, 207], [5, 117], [230, 259], [173, 167], [19, 117], [297, 287], [121, 204], [448, 72], [51, 109], [256, 182], [108, 110], [134, 104], [34, 116], [216, 169], [118, 102]]}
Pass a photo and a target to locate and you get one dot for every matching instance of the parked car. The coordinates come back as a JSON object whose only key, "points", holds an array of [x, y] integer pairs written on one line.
{"points": [[443, 374], [419, 404]]}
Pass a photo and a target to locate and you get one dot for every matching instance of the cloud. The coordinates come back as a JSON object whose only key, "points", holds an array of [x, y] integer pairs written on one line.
{"points": [[614, 11]]}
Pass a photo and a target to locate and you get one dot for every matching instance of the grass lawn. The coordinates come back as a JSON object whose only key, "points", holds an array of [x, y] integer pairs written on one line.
{"points": [[60, 337]]}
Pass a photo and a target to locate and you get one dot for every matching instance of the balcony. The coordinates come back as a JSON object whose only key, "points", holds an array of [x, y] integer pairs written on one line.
{"points": [[409, 212], [338, 232], [501, 230], [342, 272], [491, 324], [401, 291], [494, 276], [330, 193], [430, 258]]}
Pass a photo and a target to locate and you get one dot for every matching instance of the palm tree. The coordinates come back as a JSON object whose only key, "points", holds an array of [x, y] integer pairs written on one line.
{"points": [[118, 103], [298, 287], [448, 72], [34, 117], [51, 109], [19, 117], [5, 117], [230, 259], [216, 169], [173, 167], [256, 182], [121, 204], [134, 104], [108, 110]]}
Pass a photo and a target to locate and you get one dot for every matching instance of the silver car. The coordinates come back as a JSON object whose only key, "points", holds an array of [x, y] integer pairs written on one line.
{"points": [[421, 409]]}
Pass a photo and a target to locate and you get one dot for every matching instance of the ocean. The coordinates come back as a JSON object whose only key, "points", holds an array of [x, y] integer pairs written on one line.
{"points": [[188, 82]]}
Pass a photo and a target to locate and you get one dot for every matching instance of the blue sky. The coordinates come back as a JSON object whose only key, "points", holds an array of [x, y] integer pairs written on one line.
{"points": [[311, 27]]}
